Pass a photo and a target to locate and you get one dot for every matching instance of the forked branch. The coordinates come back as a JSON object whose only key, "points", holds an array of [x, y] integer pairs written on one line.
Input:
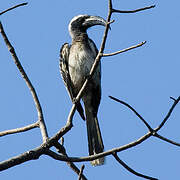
{"points": [[81, 172], [176, 101], [28, 83]]}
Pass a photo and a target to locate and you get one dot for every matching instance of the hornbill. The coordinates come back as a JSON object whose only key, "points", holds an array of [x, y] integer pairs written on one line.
{"points": [[75, 63]]}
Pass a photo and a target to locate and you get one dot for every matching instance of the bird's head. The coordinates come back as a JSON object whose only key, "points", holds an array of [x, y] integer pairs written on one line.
{"points": [[79, 24]]}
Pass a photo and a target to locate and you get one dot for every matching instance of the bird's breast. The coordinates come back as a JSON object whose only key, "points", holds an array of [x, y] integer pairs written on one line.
{"points": [[81, 60]]}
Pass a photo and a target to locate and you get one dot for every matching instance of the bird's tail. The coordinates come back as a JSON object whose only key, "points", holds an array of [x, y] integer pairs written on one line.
{"points": [[95, 142]]}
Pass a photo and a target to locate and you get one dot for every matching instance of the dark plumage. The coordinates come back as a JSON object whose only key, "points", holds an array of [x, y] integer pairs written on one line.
{"points": [[75, 63]]}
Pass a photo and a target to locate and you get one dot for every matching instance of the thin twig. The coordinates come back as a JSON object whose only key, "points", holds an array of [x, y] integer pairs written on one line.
{"points": [[168, 114], [132, 109], [76, 170], [23, 4], [18, 130], [130, 169], [97, 156], [60, 149], [29, 84], [124, 50], [81, 172], [44, 149], [166, 139], [172, 98], [133, 11]]}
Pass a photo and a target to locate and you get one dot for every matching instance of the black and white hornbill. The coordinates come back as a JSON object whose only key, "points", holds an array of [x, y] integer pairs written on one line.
{"points": [[75, 63]]}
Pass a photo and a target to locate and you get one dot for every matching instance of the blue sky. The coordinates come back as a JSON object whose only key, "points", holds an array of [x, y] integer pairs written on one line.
{"points": [[145, 78]]}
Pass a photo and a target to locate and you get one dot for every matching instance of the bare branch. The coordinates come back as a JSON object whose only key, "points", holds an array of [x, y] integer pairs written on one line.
{"points": [[60, 149], [23, 4], [44, 149], [110, 6], [97, 156], [124, 50], [130, 169], [172, 98], [166, 139], [18, 130], [133, 11], [76, 170], [132, 109], [29, 84], [26, 156], [81, 171], [69, 163], [168, 114]]}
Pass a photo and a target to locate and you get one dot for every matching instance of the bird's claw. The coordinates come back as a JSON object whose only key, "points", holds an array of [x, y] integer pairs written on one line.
{"points": [[74, 101]]}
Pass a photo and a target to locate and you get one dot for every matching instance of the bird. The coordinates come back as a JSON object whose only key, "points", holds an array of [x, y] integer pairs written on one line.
{"points": [[76, 60]]}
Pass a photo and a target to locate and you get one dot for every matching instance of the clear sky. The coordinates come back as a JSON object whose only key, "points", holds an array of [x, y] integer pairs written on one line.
{"points": [[145, 78]]}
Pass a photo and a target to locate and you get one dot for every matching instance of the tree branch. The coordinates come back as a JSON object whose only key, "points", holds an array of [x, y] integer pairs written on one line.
{"points": [[23, 4], [26, 156], [124, 50], [166, 139], [168, 114], [18, 130], [172, 98], [133, 11], [81, 172], [29, 84], [97, 156], [130, 169], [44, 149], [132, 109], [60, 149]]}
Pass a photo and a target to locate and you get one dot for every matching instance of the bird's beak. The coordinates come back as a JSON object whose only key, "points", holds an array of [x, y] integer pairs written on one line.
{"points": [[94, 20]]}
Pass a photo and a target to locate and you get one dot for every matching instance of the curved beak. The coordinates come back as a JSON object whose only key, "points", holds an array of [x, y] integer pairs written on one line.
{"points": [[94, 20]]}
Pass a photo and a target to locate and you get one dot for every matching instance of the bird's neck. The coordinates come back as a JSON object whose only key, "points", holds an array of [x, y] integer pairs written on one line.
{"points": [[79, 36]]}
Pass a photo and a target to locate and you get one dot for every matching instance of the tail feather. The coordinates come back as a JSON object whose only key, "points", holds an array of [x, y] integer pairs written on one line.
{"points": [[80, 110], [95, 142]]}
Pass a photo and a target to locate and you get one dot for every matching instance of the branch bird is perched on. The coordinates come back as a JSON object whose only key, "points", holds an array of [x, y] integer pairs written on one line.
{"points": [[76, 61]]}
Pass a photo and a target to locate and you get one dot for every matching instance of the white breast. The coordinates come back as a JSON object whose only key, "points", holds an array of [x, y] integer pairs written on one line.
{"points": [[80, 63]]}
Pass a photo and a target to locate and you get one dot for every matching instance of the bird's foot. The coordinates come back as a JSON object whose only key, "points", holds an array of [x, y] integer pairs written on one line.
{"points": [[74, 100]]}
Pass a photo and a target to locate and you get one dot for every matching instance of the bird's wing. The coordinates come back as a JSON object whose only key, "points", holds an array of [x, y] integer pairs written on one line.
{"points": [[64, 69], [64, 55]]}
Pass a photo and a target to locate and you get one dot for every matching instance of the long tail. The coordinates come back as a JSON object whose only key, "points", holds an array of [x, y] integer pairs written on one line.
{"points": [[95, 142]]}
